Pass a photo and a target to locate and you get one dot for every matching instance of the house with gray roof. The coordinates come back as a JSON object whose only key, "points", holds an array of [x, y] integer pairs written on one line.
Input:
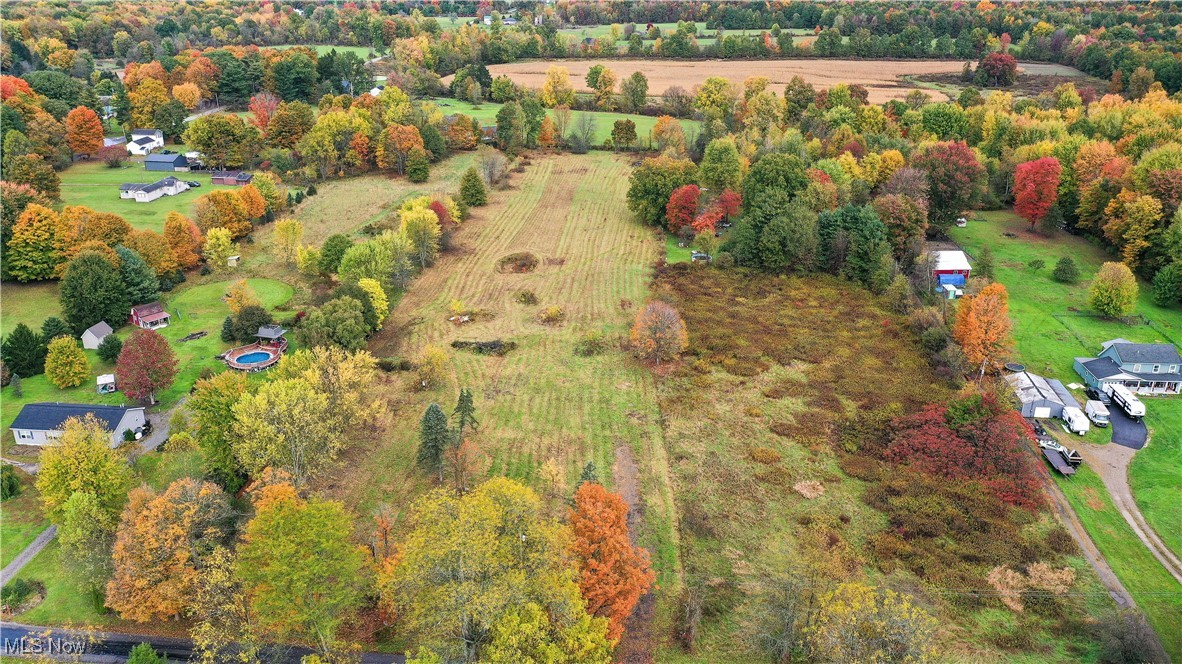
{"points": [[1143, 368], [146, 193], [41, 423], [143, 141]]}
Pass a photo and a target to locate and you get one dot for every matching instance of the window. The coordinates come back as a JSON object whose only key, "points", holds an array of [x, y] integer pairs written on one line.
{"points": [[1173, 368], [1136, 368], [26, 435], [1157, 368]]}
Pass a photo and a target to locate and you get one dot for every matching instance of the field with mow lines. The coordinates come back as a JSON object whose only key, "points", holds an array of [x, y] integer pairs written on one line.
{"points": [[540, 401]]}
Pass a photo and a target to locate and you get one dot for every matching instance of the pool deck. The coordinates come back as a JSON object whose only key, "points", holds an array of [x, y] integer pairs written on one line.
{"points": [[274, 349]]}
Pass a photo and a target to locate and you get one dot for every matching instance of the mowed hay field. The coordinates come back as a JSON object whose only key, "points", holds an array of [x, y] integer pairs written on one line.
{"points": [[541, 401], [882, 78]]}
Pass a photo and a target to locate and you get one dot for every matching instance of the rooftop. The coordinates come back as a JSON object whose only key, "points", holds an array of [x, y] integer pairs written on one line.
{"points": [[951, 260], [1144, 353], [47, 416], [99, 329]]}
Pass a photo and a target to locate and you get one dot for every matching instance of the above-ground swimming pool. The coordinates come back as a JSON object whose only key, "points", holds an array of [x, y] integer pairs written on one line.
{"points": [[257, 357]]}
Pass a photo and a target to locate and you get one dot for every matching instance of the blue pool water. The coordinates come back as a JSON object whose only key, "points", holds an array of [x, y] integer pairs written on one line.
{"points": [[256, 357]]}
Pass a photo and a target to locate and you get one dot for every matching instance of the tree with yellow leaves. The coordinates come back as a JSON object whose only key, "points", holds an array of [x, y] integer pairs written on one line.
{"points": [[983, 327], [188, 94], [286, 424], [65, 364], [217, 249], [557, 90], [861, 623], [289, 236], [82, 461], [377, 297], [239, 296], [146, 99], [183, 239]]}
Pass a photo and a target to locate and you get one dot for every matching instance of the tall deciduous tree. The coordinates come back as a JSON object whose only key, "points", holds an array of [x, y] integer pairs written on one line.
{"points": [[301, 572], [84, 131], [1114, 290], [65, 363], [1036, 188], [954, 180], [286, 424], [289, 236], [217, 249], [653, 182], [161, 543], [183, 239], [262, 108], [211, 410], [613, 574], [32, 253], [477, 606], [983, 327], [82, 461], [721, 167], [682, 207], [86, 535], [557, 89], [658, 332], [145, 366]]}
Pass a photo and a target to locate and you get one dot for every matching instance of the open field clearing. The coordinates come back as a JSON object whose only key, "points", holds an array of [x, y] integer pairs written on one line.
{"points": [[27, 303], [881, 77], [20, 520], [363, 52], [97, 187], [782, 365], [348, 204], [539, 402]]}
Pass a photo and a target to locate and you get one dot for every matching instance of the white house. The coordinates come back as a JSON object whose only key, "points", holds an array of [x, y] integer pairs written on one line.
{"points": [[94, 335], [41, 423], [146, 193], [144, 141]]}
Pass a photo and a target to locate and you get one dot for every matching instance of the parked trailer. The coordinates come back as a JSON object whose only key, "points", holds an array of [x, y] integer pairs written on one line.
{"points": [[1124, 397], [1075, 420], [1061, 459]]}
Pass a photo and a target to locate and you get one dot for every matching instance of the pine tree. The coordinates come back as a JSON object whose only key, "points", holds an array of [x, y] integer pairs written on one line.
{"points": [[1065, 271], [54, 327], [417, 167], [15, 384], [139, 281], [985, 263], [24, 351], [434, 439], [472, 190], [228, 329], [590, 474], [465, 413]]}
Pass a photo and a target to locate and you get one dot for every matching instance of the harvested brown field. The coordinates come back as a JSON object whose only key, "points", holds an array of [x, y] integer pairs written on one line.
{"points": [[883, 78]]}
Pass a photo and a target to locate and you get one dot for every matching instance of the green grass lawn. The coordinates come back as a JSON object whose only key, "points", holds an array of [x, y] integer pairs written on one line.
{"points": [[487, 114], [1156, 471], [675, 253], [1152, 587], [97, 187], [20, 520], [363, 52], [28, 303], [64, 603]]}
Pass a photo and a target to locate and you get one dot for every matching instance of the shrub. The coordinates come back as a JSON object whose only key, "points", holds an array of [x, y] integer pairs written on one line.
{"points": [[519, 262], [724, 259], [10, 484], [1036, 264], [19, 591], [591, 343], [311, 190], [551, 315], [392, 364], [764, 455], [109, 349], [496, 347], [527, 297], [1065, 271]]}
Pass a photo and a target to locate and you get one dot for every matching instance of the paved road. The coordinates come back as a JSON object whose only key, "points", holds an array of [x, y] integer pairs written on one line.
{"points": [[208, 111], [28, 554], [1125, 430], [110, 647]]}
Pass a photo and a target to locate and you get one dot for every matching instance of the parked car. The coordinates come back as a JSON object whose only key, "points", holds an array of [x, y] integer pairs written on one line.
{"points": [[193, 183], [168, 152], [1099, 395], [699, 257]]}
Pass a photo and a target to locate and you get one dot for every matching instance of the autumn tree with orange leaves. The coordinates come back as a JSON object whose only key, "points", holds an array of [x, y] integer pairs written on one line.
{"points": [[84, 131], [183, 238], [160, 545], [613, 574], [983, 327], [659, 333]]}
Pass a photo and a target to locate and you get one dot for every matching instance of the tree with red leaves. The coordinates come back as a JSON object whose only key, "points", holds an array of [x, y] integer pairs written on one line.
{"points": [[729, 202], [84, 131], [974, 438], [613, 574], [262, 107], [1000, 68], [12, 85], [442, 213], [145, 366], [955, 180], [1036, 188], [682, 208]]}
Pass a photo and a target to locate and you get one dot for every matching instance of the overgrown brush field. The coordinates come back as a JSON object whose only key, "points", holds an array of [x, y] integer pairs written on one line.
{"points": [[540, 402], [757, 427]]}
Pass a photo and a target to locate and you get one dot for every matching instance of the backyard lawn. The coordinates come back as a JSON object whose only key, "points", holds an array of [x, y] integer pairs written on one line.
{"points": [[28, 303], [97, 187], [20, 520]]}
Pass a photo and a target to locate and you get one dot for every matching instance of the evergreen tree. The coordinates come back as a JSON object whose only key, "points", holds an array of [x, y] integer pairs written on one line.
{"points": [[590, 474], [17, 390], [985, 263], [465, 413], [91, 291], [417, 167], [54, 327], [24, 351], [109, 349], [434, 439], [228, 329], [1065, 272], [1167, 285], [139, 281], [472, 189]]}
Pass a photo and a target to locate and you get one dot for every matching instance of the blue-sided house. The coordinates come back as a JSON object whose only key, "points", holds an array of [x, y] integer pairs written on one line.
{"points": [[1143, 368]]}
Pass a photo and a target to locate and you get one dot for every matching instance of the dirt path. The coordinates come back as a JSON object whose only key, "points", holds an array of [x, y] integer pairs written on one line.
{"points": [[1111, 462], [30, 552], [637, 645]]}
